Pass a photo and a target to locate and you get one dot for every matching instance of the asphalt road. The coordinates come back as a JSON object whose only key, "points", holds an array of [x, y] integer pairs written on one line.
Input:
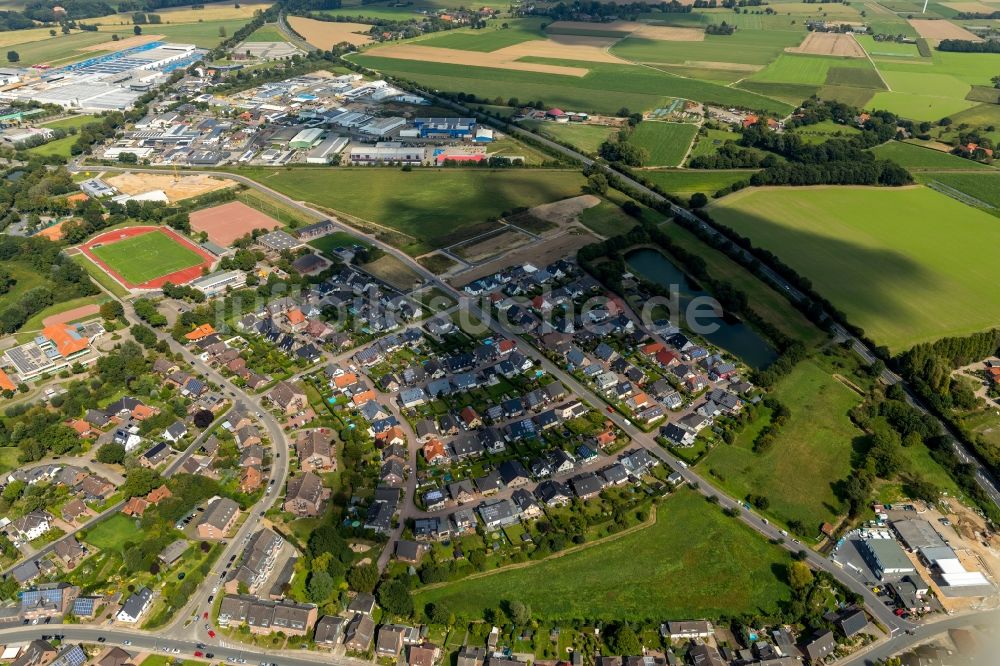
{"points": [[134, 640], [903, 641], [180, 627], [639, 438]]}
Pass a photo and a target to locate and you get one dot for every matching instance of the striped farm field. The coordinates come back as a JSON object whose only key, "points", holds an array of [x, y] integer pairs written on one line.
{"points": [[666, 143]]}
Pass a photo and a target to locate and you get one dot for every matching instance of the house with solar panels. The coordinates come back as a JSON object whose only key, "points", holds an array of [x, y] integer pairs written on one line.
{"points": [[48, 600], [85, 606]]}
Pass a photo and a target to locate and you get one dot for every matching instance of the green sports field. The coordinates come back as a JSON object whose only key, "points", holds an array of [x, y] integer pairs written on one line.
{"points": [[907, 265], [142, 258], [411, 203], [720, 569], [666, 143]]}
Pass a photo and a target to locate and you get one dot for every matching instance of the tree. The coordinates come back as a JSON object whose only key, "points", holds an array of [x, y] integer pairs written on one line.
{"points": [[320, 586], [363, 578], [800, 576], [139, 481], [203, 418], [438, 613], [111, 454], [222, 31], [112, 310], [597, 184], [698, 200], [13, 56], [520, 613], [622, 639], [137, 30], [395, 598], [52, 33]]}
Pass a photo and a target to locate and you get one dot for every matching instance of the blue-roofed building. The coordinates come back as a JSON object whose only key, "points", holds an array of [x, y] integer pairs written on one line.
{"points": [[454, 128], [71, 655], [84, 606], [47, 600]]}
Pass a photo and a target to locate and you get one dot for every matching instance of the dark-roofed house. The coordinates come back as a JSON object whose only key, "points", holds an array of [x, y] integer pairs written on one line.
{"points": [[264, 616], [587, 485], [362, 603], [218, 519], [305, 495], [113, 656], [498, 513], [315, 450], [38, 653], [329, 630], [471, 656], [514, 474], [390, 641], [70, 551], [410, 552], [360, 630], [820, 647], [852, 622]]}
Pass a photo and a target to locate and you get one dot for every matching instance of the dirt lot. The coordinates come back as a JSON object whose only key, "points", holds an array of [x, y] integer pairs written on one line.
{"points": [[661, 32], [491, 246], [121, 44], [562, 47], [941, 29], [829, 44], [325, 34], [72, 315], [539, 254], [230, 221], [566, 211], [175, 188]]}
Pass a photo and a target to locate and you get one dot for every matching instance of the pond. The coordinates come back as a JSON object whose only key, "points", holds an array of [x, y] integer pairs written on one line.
{"points": [[732, 334]]}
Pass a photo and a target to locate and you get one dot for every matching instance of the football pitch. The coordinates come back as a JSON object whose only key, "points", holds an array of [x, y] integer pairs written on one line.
{"points": [[908, 265], [139, 259]]}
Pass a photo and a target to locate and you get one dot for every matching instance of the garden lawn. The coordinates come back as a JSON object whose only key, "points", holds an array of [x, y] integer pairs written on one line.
{"points": [[113, 533], [142, 258], [810, 454], [57, 148], [98, 275], [693, 562], [882, 255], [70, 122], [666, 143], [412, 202], [710, 142], [26, 278], [8, 458], [266, 33]]}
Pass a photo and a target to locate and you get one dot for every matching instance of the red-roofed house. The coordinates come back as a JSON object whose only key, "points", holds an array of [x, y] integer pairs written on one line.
{"points": [[202, 331], [434, 452]]}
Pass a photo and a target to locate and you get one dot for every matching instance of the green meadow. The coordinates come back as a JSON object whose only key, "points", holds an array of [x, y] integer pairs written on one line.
{"points": [[881, 255]]}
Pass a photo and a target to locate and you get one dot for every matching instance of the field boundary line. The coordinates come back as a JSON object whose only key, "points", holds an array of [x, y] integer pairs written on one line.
{"points": [[869, 56], [959, 195], [563, 553]]}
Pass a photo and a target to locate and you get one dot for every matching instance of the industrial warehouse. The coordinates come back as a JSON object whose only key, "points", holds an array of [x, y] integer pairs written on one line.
{"points": [[111, 82], [317, 118]]}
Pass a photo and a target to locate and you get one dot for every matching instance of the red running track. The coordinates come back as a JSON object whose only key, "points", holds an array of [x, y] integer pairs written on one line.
{"points": [[177, 277]]}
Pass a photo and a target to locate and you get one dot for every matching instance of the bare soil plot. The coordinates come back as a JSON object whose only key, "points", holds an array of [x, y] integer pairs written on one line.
{"points": [[326, 34], [122, 44], [230, 221], [471, 58], [829, 44], [566, 211], [941, 29], [723, 66], [540, 254], [72, 315], [664, 33], [176, 188], [563, 47], [490, 246]]}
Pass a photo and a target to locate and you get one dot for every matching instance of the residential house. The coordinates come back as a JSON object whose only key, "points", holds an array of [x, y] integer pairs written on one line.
{"points": [[288, 397], [305, 495], [219, 518], [135, 606]]}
